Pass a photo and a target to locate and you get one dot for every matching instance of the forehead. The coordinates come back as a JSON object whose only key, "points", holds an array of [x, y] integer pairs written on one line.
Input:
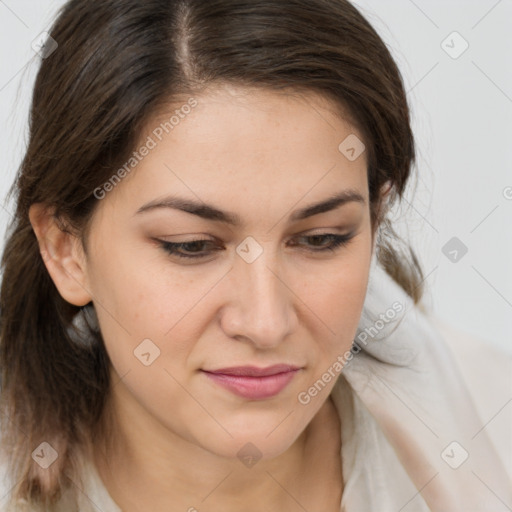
{"points": [[255, 143], [259, 108]]}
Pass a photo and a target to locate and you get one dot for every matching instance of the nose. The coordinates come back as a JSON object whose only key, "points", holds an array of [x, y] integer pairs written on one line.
{"points": [[260, 304]]}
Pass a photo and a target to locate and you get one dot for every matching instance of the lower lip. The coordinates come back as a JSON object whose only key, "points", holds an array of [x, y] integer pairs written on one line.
{"points": [[254, 388]]}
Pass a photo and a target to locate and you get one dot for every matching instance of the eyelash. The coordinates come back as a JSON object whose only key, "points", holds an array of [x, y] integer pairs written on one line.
{"points": [[338, 241]]}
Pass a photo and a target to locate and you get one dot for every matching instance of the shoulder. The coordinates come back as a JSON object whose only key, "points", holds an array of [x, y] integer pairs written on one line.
{"points": [[487, 371]]}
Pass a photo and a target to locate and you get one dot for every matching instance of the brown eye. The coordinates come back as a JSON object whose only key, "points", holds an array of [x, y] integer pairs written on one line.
{"points": [[335, 241], [193, 248]]}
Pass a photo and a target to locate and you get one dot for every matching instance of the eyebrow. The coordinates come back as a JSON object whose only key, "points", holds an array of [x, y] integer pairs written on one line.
{"points": [[212, 213]]}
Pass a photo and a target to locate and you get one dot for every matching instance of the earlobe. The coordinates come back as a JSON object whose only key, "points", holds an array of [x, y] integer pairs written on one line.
{"points": [[62, 255]]}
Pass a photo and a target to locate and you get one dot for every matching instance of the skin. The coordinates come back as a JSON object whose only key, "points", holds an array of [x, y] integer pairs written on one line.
{"points": [[261, 155]]}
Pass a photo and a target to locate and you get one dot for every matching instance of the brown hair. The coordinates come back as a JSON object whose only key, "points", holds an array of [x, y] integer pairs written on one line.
{"points": [[118, 63]]}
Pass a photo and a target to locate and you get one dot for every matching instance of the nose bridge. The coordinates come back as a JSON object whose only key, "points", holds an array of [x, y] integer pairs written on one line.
{"points": [[263, 300]]}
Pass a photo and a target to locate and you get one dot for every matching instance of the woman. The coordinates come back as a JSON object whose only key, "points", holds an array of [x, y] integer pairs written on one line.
{"points": [[202, 307]]}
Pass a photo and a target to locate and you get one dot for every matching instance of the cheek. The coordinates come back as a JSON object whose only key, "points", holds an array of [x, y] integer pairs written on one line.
{"points": [[340, 303], [143, 297], [338, 298]]}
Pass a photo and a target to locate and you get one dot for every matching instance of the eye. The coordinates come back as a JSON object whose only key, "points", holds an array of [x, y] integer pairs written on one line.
{"points": [[194, 249], [190, 247], [334, 242]]}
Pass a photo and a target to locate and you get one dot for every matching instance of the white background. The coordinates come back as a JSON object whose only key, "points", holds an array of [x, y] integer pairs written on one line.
{"points": [[462, 118]]}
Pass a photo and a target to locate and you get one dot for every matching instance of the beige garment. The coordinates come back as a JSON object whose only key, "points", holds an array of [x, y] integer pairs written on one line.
{"points": [[419, 434], [408, 421]]}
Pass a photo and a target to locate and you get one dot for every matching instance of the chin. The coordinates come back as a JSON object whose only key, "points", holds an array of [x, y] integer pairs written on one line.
{"points": [[250, 445]]}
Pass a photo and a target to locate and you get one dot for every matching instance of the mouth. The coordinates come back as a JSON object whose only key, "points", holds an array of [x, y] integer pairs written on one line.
{"points": [[254, 383]]}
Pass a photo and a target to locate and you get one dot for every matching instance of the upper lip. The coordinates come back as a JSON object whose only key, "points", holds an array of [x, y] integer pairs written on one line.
{"points": [[253, 371]]}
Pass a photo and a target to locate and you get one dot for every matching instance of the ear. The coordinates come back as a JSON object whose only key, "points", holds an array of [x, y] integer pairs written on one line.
{"points": [[385, 190], [382, 206], [62, 254]]}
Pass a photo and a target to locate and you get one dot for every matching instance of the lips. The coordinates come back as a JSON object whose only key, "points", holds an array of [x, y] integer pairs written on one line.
{"points": [[254, 383], [253, 371]]}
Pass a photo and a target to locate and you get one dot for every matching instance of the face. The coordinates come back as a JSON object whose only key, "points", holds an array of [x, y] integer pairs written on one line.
{"points": [[180, 294]]}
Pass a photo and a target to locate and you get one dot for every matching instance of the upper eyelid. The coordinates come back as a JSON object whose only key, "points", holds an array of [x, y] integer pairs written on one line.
{"points": [[349, 235], [337, 230]]}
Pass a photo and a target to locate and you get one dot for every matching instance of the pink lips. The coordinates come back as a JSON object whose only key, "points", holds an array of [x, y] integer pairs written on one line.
{"points": [[254, 383]]}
